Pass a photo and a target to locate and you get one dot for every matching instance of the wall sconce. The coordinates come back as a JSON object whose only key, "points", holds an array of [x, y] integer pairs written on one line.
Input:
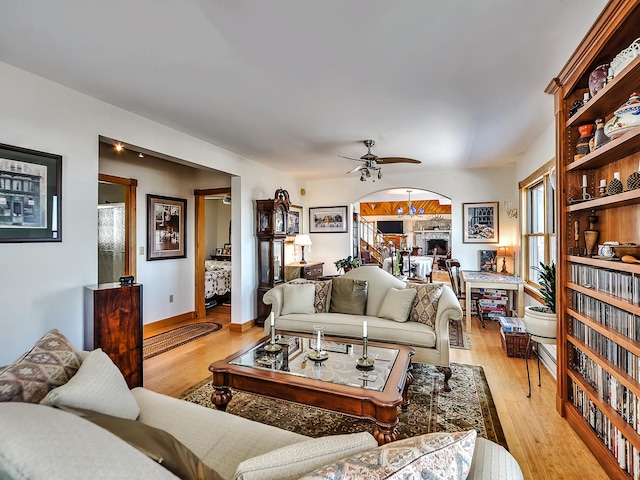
{"points": [[512, 212]]}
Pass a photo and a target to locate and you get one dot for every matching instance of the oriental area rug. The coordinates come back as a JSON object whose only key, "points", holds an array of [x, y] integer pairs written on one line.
{"points": [[165, 341], [468, 406], [458, 338]]}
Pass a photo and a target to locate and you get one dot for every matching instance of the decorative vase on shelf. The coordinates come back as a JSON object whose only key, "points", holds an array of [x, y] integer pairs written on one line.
{"points": [[598, 79], [599, 138], [591, 235], [582, 147], [615, 185]]}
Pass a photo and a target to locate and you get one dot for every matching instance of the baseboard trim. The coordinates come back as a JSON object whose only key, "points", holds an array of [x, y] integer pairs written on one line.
{"points": [[150, 328], [242, 327]]}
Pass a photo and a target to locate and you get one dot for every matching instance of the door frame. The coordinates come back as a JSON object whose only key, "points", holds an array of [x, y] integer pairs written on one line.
{"points": [[130, 185], [200, 244]]}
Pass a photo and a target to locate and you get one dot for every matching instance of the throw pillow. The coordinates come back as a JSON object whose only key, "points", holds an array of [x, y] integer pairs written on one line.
{"points": [[434, 455], [397, 304], [51, 362], [298, 298], [158, 445], [323, 294], [348, 296], [295, 460], [425, 305], [97, 386]]}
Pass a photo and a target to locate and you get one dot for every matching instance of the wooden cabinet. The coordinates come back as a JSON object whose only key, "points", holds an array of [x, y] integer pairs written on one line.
{"points": [[598, 304], [113, 322], [308, 271]]}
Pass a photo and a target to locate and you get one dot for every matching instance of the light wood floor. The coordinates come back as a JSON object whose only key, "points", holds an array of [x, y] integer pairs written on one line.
{"points": [[543, 443]]}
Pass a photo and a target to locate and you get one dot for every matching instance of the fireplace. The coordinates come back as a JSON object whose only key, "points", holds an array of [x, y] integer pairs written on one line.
{"points": [[440, 244]]}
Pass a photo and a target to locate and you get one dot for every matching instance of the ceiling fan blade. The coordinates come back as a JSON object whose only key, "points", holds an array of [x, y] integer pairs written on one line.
{"points": [[359, 167], [397, 160], [351, 158]]}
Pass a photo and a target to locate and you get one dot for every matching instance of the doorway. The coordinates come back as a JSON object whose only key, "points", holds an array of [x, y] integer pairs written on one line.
{"points": [[116, 227]]}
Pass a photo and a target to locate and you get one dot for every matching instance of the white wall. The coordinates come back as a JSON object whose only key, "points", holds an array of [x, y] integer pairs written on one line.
{"points": [[42, 283], [462, 186]]}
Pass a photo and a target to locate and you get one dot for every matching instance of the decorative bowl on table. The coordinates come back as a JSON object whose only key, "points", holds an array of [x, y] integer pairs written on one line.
{"points": [[625, 118]]}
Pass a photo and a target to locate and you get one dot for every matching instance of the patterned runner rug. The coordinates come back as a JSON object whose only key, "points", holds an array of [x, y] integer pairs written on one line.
{"points": [[458, 338], [468, 405], [163, 342]]}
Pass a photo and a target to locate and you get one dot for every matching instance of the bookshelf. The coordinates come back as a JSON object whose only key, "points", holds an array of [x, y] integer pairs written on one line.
{"points": [[598, 302]]}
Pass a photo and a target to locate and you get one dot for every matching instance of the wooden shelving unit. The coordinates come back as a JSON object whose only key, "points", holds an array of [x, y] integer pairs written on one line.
{"points": [[598, 300]]}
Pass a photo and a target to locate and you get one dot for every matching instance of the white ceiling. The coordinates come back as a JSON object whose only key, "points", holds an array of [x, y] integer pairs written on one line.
{"points": [[294, 83]]}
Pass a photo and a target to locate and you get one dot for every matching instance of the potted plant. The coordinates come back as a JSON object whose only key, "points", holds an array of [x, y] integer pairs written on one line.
{"points": [[347, 264], [541, 321]]}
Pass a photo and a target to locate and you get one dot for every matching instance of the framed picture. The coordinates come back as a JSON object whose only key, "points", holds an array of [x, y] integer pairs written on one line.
{"points": [[30, 195], [218, 251], [327, 219], [294, 221], [227, 249], [166, 227], [488, 260], [480, 222]]}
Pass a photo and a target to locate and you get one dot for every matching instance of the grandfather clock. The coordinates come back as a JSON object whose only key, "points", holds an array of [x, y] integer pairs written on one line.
{"points": [[271, 232]]}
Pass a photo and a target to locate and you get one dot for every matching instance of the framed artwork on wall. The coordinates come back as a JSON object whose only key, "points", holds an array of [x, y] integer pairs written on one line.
{"points": [[30, 195], [294, 222], [166, 227], [480, 222], [488, 260], [327, 219]]}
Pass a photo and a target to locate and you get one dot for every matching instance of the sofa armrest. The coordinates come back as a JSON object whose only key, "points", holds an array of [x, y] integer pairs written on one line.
{"points": [[448, 309], [275, 298]]}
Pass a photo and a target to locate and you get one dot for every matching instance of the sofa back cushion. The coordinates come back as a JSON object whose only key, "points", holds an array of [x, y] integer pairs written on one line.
{"points": [[348, 296], [378, 284], [425, 304], [397, 304], [298, 298], [51, 362]]}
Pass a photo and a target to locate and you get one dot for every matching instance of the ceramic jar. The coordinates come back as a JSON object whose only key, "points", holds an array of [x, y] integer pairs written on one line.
{"points": [[600, 139], [598, 79], [582, 146], [625, 118]]}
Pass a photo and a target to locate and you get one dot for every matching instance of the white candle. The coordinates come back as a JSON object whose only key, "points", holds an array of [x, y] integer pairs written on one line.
{"points": [[584, 180], [616, 175], [639, 166], [603, 183], [364, 328], [273, 319], [318, 344]]}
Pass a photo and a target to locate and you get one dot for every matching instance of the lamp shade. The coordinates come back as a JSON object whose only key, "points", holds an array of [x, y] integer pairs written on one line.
{"points": [[303, 240], [504, 251]]}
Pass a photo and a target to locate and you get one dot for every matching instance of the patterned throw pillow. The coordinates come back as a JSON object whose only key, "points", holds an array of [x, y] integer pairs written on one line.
{"points": [[425, 305], [50, 363], [323, 290], [434, 455]]}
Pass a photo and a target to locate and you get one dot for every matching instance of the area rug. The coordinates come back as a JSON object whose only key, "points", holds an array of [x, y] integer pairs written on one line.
{"points": [[458, 338], [468, 406], [165, 341]]}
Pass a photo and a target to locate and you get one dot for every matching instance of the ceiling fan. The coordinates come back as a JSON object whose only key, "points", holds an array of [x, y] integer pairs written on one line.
{"points": [[369, 167]]}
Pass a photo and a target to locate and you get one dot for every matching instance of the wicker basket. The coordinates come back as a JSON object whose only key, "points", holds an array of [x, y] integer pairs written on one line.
{"points": [[515, 344]]}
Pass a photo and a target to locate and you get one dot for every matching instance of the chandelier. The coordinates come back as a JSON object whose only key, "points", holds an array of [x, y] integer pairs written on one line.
{"points": [[412, 211]]}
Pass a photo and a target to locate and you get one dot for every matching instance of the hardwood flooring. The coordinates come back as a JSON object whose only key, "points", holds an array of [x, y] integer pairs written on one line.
{"points": [[544, 444]]}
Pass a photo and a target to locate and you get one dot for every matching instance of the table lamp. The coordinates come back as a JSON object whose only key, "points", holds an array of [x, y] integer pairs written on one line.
{"points": [[504, 252], [303, 240]]}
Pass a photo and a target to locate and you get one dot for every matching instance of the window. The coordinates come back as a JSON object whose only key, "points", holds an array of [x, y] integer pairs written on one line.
{"points": [[539, 233]]}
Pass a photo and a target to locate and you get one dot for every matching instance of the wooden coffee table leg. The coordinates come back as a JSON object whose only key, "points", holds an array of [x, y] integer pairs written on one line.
{"points": [[386, 433], [405, 392], [221, 397]]}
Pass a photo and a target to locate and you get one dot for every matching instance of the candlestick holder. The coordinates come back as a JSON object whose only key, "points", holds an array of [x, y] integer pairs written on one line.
{"points": [[273, 346], [364, 362], [603, 191], [585, 195], [318, 354]]}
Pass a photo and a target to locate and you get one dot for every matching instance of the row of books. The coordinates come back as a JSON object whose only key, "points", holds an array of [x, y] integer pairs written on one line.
{"points": [[620, 320], [609, 388], [607, 348], [623, 285], [627, 456]]}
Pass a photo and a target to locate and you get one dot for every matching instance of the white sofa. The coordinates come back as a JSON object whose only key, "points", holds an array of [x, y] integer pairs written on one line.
{"points": [[430, 343], [47, 441]]}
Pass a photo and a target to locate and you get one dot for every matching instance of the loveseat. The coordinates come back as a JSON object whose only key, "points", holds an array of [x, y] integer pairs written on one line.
{"points": [[392, 316], [56, 422]]}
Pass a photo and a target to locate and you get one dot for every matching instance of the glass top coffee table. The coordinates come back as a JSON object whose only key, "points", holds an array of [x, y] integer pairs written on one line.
{"points": [[335, 383]]}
